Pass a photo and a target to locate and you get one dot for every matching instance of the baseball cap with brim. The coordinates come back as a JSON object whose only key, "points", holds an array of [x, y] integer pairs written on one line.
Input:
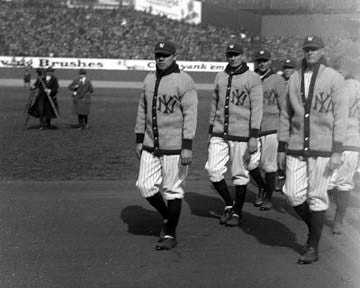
{"points": [[50, 69], [313, 42], [165, 47], [262, 54], [234, 48], [289, 63], [82, 71]]}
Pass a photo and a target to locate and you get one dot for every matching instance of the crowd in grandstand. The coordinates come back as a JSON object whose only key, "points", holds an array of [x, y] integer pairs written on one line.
{"points": [[122, 33]]}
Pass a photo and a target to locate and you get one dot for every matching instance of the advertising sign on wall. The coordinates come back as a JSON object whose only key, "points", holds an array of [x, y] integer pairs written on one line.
{"points": [[106, 64], [186, 10]]}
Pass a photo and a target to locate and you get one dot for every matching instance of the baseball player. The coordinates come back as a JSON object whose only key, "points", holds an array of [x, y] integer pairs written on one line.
{"points": [[165, 128], [311, 132], [288, 68], [235, 118], [342, 180], [82, 89], [274, 89]]}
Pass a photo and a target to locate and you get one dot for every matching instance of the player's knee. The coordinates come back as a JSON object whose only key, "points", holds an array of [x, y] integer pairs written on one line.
{"points": [[144, 189], [215, 175]]}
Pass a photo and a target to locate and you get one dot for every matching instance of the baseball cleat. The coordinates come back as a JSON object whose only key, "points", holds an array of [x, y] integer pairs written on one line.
{"points": [[226, 216], [234, 221], [266, 205], [259, 198], [166, 243], [310, 256]]}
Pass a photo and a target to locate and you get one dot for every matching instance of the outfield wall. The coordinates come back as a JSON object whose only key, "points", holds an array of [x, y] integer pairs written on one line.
{"points": [[112, 70]]}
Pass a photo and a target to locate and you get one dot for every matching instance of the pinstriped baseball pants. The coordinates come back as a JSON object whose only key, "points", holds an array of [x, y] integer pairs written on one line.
{"points": [[307, 179], [221, 151], [343, 178], [269, 146], [165, 170]]}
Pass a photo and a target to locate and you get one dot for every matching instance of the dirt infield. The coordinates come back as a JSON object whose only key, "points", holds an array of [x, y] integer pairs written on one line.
{"points": [[70, 215]]}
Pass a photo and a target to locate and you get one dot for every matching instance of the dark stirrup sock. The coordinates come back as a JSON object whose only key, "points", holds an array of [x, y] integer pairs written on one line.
{"points": [[240, 195], [174, 207], [158, 203], [342, 200], [256, 175], [303, 211], [317, 223], [222, 189], [270, 179]]}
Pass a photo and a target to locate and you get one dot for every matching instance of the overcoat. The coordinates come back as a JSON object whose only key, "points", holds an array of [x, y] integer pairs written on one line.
{"points": [[82, 92]]}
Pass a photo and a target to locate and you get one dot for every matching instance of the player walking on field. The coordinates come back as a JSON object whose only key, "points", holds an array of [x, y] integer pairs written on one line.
{"points": [[165, 128], [342, 181], [235, 117], [312, 129], [274, 89]]}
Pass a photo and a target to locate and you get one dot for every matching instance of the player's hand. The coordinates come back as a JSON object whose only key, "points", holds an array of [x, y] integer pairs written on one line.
{"points": [[186, 156], [252, 145], [281, 161], [335, 161], [138, 150], [47, 91]]}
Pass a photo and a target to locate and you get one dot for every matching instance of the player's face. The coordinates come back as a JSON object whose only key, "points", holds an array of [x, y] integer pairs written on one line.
{"points": [[313, 55], [288, 71], [263, 64], [164, 61], [234, 59]]}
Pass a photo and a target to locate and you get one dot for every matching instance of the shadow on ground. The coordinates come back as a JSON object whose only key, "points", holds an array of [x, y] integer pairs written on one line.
{"points": [[141, 221], [266, 231]]}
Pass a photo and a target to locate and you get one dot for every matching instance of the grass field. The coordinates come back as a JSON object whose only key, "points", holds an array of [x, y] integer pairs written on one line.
{"points": [[103, 152], [70, 215]]}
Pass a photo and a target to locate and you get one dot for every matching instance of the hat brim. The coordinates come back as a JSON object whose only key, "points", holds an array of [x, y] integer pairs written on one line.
{"points": [[234, 51], [312, 46], [163, 52], [288, 66], [264, 58]]}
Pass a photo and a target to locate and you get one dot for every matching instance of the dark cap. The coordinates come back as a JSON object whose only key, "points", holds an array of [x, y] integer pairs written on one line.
{"points": [[289, 63], [165, 47], [50, 69], [313, 42], [82, 71], [234, 48], [263, 54]]}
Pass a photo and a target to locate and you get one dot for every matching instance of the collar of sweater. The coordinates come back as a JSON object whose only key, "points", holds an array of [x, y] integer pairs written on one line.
{"points": [[173, 68], [236, 70]]}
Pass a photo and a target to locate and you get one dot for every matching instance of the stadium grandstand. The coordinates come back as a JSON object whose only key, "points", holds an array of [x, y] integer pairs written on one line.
{"points": [[77, 29]]}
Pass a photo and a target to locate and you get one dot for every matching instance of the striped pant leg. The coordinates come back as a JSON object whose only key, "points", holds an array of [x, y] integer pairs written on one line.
{"points": [[150, 174], [319, 178], [255, 158], [269, 153], [343, 178], [218, 156], [242, 161], [296, 184], [174, 175], [239, 172]]}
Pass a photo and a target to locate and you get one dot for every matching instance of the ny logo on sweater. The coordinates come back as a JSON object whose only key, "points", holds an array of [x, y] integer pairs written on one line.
{"points": [[270, 98], [322, 103], [166, 104], [238, 98], [355, 109]]}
